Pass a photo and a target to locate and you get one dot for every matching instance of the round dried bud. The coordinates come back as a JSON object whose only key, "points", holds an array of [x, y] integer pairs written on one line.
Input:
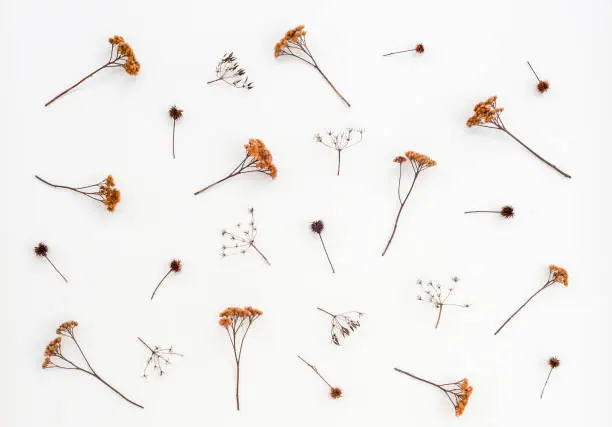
{"points": [[335, 393], [41, 249], [543, 86], [317, 226], [399, 159], [175, 113], [507, 212], [176, 265], [420, 48], [553, 362]]}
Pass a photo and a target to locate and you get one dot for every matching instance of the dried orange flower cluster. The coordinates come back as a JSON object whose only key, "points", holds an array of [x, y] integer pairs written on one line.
{"points": [[257, 149], [558, 274], [131, 65], [54, 348], [295, 35], [420, 159], [462, 397], [67, 328], [236, 314], [485, 112], [111, 195]]}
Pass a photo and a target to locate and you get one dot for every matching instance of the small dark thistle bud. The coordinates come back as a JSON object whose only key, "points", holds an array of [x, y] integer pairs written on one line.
{"points": [[507, 212], [175, 113], [41, 249], [543, 86], [176, 265], [419, 48], [553, 362], [317, 226]]}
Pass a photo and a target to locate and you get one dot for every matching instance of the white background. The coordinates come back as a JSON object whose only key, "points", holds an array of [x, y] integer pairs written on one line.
{"points": [[118, 124]]}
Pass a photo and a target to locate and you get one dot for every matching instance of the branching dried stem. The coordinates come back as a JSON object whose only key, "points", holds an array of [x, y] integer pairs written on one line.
{"points": [[343, 324], [175, 267], [230, 72], [438, 296], [42, 250], [340, 141], [240, 240], [54, 357], [103, 191], [334, 392], [159, 358]]}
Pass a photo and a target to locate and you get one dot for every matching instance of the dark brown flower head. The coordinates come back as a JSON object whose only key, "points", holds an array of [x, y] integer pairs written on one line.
{"points": [[507, 212], [420, 48], [543, 86], [41, 249], [335, 393], [553, 362], [176, 265], [175, 113], [399, 159], [317, 226]]}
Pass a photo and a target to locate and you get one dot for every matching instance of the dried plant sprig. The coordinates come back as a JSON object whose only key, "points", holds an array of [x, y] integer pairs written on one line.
{"points": [[340, 141], [159, 359], [555, 275], [42, 250], [542, 85], [237, 323], [458, 392], [103, 191], [419, 48], [553, 363], [230, 72], [488, 115], [241, 239], [294, 44], [343, 324], [121, 55], [175, 114], [317, 227], [419, 163], [258, 159], [438, 295], [334, 392], [506, 211], [55, 358], [175, 267]]}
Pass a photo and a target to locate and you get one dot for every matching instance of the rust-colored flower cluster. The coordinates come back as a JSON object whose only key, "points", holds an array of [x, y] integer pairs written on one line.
{"points": [[104, 191], [462, 396], [558, 274], [295, 36]]}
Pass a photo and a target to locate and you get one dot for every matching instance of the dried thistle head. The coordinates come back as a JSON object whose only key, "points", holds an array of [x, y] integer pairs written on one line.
{"points": [[296, 35], [175, 113], [257, 149], [419, 48], [485, 112], [317, 226], [399, 159], [335, 393], [553, 362], [131, 65], [558, 274], [543, 86], [41, 249], [176, 265], [507, 212]]}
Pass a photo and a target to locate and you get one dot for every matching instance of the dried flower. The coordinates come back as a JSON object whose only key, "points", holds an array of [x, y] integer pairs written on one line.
{"points": [[343, 324], [458, 392], [340, 140], [317, 228], [230, 72], [294, 44], [506, 211], [334, 392], [103, 191], [242, 239], [419, 163], [553, 363], [175, 267], [237, 322], [542, 85], [487, 115], [419, 48], [121, 55], [437, 295], [54, 358], [175, 114], [42, 250], [257, 159], [159, 358], [555, 274]]}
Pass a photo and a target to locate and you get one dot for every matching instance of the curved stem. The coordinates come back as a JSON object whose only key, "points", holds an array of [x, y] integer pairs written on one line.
{"points": [[522, 306], [159, 284], [332, 86], [420, 379], [535, 154], [56, 269], [439, 315], [399, 212], [78, 83], [326, 254], [260, 253]]}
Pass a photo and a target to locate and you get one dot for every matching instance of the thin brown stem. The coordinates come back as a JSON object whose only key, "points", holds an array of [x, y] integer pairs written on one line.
{"points": [[159, 284], [56, 269], [332, 86], [173, 128], [315, 370], [399, 212], [533, 71], [546, 382], [326, 312], [114, 389], [79, 82], [524, 304], [468, 212], [420, 379], [260, 253], [326, 254], [238, 386], [231, 175], [399, 51], [215, 80], [338, 173], [145, 344], [439, 315]]}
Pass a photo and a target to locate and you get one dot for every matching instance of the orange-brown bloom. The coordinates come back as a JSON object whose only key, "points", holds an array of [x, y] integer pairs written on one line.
{"points": [[558, 274], [175, 113], [543, 86], [462, 397], [295, 35], [335, 393], [420, 159], [399, 159], [67, 328], [257, 149], [111, 195], [419, 48], [485, 112]]}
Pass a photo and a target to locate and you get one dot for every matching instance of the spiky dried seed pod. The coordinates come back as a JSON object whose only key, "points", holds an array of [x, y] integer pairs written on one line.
{"points": [[41, 249], [553, 362], [507, 212], [176, 265], [543, 86], [317, 226]]}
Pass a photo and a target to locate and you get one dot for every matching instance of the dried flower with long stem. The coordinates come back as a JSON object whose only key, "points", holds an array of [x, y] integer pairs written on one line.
{"points": [[506, 212], [334, 392], [121, 55], [175, 267], [241, 239], [42, 250], [55, 358], [419, 48], [294, 44], [175, 114], [542, 85], [159, 359], [340, 141], [343, 324], [458, 392], [230, 72], [237, 323], [555, 275], [257, 160], [553, 363], [419, 163], [317, 227], [103, 191], [487, 115], [437, 295]]}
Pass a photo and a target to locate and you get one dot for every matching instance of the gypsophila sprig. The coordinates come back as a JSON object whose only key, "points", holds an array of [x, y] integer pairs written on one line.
{"points": [[334, 392], [506, 212], [103, 191], [317, 227], [241, 239], [258, 159], [158, 359], [175, 114], [294, 44], [121, 55], [42, 250], [555, 275], [542, 85], [438, 295], [488, 115], [175, 267], [340, 141], [343, 324], [458, 392], [55, 357], [237, 322], [553, 363], [419, 163], [419, 48], [230, 72]]}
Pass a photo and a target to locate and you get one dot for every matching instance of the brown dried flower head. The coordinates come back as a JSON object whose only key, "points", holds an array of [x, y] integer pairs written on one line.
{"points": [[543, 86], [53, 348], [335, 393], [317, 226], [399, 159], [419, 48], [233, 315], [175, 113], [420, 159], [176, 265], [41, 249], [294, 35], [559, 274], [462, 397], [507, 212], [485, 112], [257, 149], [131, 66], [111, 195], [553, 362], [67, 328]]}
